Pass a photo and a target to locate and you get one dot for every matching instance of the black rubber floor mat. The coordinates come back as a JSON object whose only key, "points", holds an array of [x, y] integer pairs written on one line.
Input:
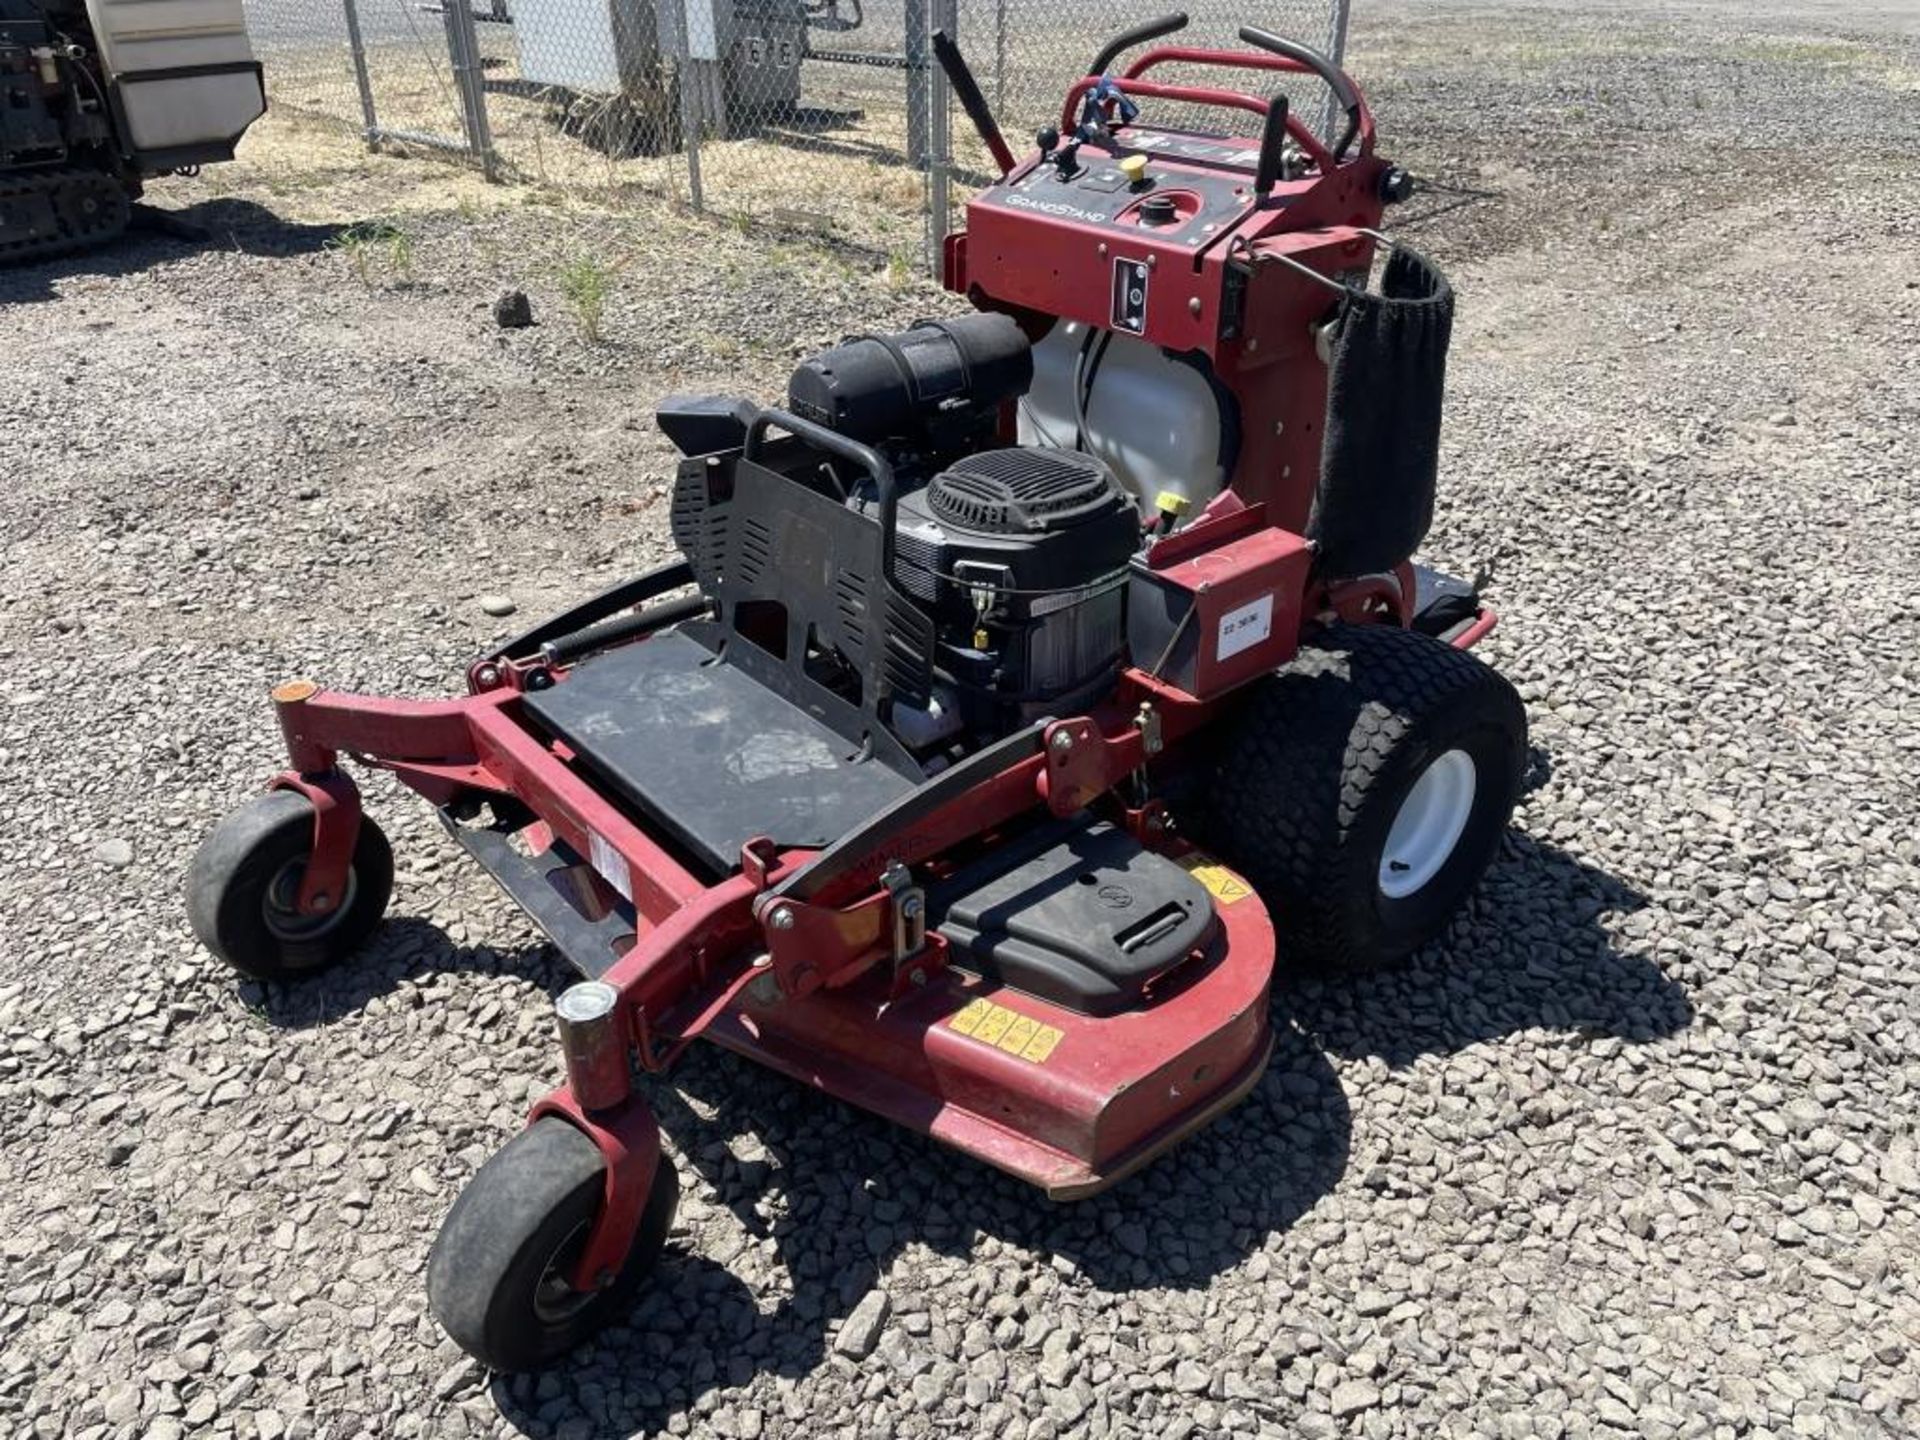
{"points": [[709, 753]]}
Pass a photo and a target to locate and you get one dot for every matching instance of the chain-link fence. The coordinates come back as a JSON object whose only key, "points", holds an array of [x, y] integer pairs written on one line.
{"points": [[824, 114]]}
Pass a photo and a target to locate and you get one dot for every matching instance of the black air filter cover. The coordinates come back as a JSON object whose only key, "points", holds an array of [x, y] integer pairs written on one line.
{"points": [[1053, 520], [1024, 491]]}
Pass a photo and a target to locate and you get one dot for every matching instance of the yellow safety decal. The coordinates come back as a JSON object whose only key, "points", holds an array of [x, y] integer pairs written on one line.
{"points": [[1220, 882], [968, 1020], [1007, 1030], [1041, 1045], [1018, 1034]]}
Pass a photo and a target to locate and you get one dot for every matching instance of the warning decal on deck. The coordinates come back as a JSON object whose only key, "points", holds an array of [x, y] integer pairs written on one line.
{"points": [[1221, 883], [1007, 1030]]}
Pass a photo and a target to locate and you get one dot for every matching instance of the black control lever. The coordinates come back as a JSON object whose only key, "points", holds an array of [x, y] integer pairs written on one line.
{"points": [[1273, 148], [1336, 78], [967, 90], [1139, 35]]}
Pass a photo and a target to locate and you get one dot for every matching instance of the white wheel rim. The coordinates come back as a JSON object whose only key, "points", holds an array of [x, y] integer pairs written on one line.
{"points": [[1431, 818]]}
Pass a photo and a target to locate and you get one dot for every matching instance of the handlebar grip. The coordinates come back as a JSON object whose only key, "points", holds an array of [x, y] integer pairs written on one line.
{"points": [[967, 91], [1273, 147], [1140, 34], [1306, 55]]}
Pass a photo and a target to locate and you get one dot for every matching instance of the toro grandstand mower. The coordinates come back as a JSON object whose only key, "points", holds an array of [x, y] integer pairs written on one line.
{"points": [[1028, 684]]}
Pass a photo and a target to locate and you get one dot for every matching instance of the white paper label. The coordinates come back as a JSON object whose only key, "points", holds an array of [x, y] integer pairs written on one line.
{"points": [[1244, 627], [611, 865]]}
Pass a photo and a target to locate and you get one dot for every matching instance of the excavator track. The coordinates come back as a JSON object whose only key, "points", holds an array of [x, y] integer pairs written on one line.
{"points": [[51, 212]]}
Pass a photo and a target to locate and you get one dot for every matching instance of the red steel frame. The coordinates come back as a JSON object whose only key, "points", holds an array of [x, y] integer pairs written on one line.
{"points": [[808, 991]]}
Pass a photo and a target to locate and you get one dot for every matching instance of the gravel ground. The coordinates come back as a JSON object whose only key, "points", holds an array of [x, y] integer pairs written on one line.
{"points": [[1636, 1148]]}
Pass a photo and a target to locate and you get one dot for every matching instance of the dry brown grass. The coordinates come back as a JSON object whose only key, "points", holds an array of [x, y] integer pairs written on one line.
{"points": [[839, 173]]}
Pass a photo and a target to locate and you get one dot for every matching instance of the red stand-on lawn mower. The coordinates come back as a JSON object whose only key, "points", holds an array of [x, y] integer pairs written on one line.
{"points": [[1029, 683]]}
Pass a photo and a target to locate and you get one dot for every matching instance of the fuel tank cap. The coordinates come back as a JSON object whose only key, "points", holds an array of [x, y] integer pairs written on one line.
{"points": [[1158, 210]]}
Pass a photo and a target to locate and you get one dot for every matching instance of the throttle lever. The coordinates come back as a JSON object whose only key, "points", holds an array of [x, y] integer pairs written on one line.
{"points": [[1273, 148]]}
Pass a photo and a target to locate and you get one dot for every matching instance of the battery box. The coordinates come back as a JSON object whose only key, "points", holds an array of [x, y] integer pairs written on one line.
{"points": [[1211, 607]]}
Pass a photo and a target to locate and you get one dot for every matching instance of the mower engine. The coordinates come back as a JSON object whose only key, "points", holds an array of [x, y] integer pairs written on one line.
{"points": [[1017, 556], [1021, 557]]}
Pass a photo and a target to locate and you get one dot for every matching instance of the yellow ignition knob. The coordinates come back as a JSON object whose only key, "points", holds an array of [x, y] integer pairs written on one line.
{"points": [[1134, 167], [1168, 502]]}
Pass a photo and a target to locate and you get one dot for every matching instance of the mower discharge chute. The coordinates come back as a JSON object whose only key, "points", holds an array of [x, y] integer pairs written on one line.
{"points": [[1028, 682]]}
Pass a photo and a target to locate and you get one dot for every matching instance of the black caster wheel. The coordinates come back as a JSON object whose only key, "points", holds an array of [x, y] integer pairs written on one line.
{"points": [[497, 1277], [243, 880]]}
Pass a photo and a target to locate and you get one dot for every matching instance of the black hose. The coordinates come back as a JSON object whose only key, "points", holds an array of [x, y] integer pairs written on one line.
{"points": [[1086, 365], [622, 628]]}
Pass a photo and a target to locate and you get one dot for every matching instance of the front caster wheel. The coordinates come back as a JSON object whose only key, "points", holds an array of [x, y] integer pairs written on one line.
{"points": [[497, 1277], [243, 880]]}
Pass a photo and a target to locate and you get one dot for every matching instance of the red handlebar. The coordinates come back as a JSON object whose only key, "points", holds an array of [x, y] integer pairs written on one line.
{"points": [[1133, 85]]}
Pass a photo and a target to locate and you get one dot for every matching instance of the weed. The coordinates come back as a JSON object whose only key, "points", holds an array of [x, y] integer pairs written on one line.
{"points": [[361, 242], [585, 283], [899, 272], [400, 253]]}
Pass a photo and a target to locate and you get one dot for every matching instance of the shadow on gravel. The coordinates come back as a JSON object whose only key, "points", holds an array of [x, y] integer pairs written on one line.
{"points": [[1531, 952], [400, 948], [839, 1195], [158, 235]]}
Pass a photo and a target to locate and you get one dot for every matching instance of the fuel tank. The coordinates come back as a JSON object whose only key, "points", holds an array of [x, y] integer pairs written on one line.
{"points": [[1159, 421]]}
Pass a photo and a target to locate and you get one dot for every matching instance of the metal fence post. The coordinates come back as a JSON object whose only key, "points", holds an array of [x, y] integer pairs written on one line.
{"points": [[690, 127], [946, 16], [463, 50], [1337, 52], [914, 39], [999, 56], [370, 120]]}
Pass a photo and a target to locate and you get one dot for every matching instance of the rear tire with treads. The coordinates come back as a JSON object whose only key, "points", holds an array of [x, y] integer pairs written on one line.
{"points": [[1343, 791]]}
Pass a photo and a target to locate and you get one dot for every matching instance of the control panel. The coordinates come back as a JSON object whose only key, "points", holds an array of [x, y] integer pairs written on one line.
{"points": [[1179, 189]]}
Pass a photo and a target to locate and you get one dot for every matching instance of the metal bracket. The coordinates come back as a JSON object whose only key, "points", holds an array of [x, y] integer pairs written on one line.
{"points": [[1149, 823], [815, 945], [1148, 720], [909, 911], [1076, 773], [757, 860], [336, 827], [629, 1140]]}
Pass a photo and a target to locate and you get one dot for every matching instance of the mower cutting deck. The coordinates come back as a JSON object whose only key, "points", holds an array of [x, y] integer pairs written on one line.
{"points": [[1026, 685]]}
